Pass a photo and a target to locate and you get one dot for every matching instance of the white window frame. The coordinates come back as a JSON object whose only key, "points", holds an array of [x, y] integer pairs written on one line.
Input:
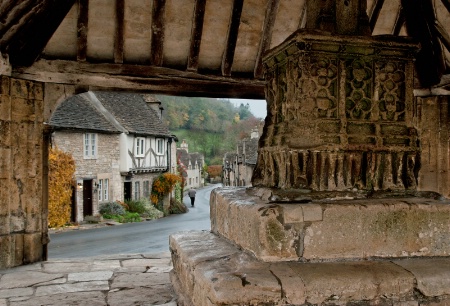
{"points": [[140, 147], [90, 141], [137, 190], [160, 146], [103, 190]]}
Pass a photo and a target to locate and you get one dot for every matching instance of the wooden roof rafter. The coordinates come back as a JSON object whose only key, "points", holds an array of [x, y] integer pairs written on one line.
{"points": [[196, 36], [375, 13], [82, 27], [119, 35], [266, 38], [158, 25], [232, 36]]}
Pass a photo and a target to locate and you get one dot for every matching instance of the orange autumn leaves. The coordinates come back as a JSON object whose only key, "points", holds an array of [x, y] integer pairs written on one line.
{"points": [[163, 185], [60, 182]]}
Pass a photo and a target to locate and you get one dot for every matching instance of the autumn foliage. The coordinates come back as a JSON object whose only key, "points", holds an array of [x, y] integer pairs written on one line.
{"points": [[61, 172], [163, 185], [214, 171]]}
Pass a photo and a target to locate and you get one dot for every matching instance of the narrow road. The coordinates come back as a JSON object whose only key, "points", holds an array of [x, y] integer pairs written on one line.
{"points": [[132, 238]]}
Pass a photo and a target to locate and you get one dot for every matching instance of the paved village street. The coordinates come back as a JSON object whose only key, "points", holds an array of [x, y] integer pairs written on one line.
{"points": [[132, 238]]}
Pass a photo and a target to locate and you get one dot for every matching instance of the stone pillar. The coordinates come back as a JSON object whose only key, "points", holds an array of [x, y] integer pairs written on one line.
{"points": [[340, 115], [23, 222]]}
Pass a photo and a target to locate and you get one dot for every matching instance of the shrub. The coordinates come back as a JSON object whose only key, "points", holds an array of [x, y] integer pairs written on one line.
{"points": [[60, 180], [131, 217], [136, 206], [151, 212], [163, 185], [111, 208]]}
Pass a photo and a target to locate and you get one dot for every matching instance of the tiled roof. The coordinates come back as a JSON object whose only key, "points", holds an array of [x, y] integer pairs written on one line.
{"points": [[132, 112], [109, 112], [77, 112], [185, 157], [251, 151]]}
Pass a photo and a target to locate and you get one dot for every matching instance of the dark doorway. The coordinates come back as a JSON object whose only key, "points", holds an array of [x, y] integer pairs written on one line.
{"points": [[87, 198], [73, 205], [127, 192]]}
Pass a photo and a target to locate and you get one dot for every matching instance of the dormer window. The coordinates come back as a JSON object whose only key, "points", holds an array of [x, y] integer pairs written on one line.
{"points": [[140, 147], [159, 146]]}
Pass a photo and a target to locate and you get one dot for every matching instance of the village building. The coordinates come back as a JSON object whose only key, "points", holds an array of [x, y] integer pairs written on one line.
{"points": [[238, 166], [191, 165], [119, 144]]}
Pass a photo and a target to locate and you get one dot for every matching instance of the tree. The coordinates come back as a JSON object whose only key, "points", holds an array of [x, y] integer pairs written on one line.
{"points": [[60, 176]]}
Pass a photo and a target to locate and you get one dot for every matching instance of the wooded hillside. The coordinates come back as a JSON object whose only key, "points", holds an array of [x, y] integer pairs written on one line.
{"points": [[210, 126]]}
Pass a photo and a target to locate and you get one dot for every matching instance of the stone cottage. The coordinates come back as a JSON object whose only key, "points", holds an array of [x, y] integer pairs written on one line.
{"points": [[238, 166], [193, 166], [119, 145]]}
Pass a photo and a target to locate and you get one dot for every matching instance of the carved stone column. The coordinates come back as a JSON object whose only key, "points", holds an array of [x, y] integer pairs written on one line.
{"points": [[339, 115]]}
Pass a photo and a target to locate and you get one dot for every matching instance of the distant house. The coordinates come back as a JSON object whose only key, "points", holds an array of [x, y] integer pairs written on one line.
{"points": [[238, 166], [119, 143], [193, 165]]}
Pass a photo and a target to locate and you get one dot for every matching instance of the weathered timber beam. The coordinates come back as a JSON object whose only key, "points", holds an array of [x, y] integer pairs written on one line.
{"points": [[158, 24], [442, 34], [13, 14], [232, 36], [28, 43], [446, 4], [141, 78], [196, 36], [82, 27], [6, 7], [399, 22], [376, 9], [118, 41], [302, 21], [266, 37]]}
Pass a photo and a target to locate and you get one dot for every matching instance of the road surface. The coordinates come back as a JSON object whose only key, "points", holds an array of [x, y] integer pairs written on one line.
{"points": [[132, 238]]}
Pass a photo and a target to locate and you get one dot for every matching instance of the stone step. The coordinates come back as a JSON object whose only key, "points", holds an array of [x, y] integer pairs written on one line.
{"points": [[330, 229], [209, 270]]}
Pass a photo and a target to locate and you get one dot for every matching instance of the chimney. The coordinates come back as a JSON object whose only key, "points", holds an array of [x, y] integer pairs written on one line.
{"points": [[184, 145], [154, 104], [255, 133]]}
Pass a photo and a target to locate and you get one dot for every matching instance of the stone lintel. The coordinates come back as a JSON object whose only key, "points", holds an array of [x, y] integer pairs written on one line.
{"points": [[208, 270], [330, 229]]}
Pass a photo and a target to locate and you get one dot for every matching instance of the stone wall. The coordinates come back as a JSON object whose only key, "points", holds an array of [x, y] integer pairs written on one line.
{"points": [[23, 165], [105, 166]]}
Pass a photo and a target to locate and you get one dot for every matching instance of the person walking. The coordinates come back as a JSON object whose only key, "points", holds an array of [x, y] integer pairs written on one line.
{"points": [[191, 194]]}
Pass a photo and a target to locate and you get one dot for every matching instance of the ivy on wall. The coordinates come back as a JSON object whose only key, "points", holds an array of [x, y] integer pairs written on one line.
{"points": [[61, 173], [162, 186]]}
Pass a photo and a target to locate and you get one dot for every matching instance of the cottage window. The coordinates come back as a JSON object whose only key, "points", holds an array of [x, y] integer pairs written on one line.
{"points": [[146, 189], [90, 146], [137, 190], [140, 147], [160, 146], [103, 189]]}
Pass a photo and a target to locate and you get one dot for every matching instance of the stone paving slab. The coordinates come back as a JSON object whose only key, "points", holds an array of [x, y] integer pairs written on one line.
{"points": [[131, 279], [223, 277]]}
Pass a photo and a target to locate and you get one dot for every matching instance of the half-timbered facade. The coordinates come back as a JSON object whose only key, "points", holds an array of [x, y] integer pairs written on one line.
{"points": [[119, 145]]}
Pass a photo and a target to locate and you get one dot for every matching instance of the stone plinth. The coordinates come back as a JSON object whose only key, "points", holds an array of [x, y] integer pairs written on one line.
{"points": [[274, 228], [208, 270]]}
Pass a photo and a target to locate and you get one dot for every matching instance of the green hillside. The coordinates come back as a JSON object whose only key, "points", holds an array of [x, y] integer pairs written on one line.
{"points": [[210, 126]]}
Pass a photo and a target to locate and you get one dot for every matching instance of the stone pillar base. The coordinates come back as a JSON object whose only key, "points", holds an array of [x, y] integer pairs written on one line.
{"points": [[209, 270]]}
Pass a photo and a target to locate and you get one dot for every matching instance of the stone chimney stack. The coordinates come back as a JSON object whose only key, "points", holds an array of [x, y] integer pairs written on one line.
{"points": [[184, 146], [154, 104], [255, 133]]}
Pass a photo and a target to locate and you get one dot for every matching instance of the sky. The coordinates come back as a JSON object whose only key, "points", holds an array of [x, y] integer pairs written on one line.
{"points": [[257, 107]]}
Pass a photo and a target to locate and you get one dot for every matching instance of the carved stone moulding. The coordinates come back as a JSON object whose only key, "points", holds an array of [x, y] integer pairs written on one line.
{"points": [[339, 114]]}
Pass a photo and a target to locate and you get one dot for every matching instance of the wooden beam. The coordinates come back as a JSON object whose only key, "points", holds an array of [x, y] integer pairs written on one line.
{"points": [[82, 27], [442, 34], [140, 78], [302, 22], [446, 4], [232, 36], [119, 39], [158, 23], [266, 37], [14, 13], [376, 9], [28, 43], [5, 9], [196, 35], [399, 22]]}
